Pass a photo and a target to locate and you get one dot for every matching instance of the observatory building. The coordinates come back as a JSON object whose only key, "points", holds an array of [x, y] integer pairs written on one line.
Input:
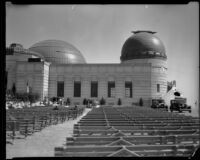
{"points": [[54, 68]]}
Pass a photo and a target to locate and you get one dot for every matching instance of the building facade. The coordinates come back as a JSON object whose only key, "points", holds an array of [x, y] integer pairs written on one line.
{"points": [[62, 71]]}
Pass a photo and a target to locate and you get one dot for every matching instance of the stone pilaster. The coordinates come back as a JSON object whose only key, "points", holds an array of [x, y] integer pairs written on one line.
{"points": [[120, 87], [69, 84], [102, 85], [85, 87]]}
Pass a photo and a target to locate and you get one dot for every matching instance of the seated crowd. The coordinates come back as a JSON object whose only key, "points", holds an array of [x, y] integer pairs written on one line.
{"points": [[20, 104], [12, 102]]}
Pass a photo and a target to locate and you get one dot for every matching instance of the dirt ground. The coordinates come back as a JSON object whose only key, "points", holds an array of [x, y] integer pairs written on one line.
{"points": [[42, 144]]}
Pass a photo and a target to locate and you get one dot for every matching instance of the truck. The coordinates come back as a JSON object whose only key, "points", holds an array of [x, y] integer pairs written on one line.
{"points": [[180, 105], [159, 104]]}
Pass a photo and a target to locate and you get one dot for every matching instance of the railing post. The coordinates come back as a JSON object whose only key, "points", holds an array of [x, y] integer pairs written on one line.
{"points": [[49, 118], [33, 123], [68, 113], [45, 120], [56, 117], [41, 126], [26, 128], [65, 114], [14, 127]]}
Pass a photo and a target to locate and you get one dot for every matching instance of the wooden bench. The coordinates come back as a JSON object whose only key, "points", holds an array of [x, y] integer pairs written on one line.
{"points": [[126, 131], [133, 140], [123, 151], [81, 133], [30, 120]]}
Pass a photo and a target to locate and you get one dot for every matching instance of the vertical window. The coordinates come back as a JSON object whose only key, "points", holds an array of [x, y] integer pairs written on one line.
{"points": [[77, 89], [111, 89], [158, 87], [94, 89], [60, 89], [128, 89]]}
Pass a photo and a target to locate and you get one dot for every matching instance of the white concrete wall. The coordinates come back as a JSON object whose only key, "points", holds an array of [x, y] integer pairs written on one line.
{"points": [[139, 74], [144, 74], [36, 74], [11, 65], [11, 69], [158, 73]]}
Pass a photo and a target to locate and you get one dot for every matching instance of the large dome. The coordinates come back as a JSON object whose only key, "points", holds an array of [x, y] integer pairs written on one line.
{"points": [[59, 52], [143, 44]]}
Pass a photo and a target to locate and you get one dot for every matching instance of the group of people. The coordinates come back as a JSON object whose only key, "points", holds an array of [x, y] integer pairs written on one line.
{"points": [[17, 105], [56, 107]]}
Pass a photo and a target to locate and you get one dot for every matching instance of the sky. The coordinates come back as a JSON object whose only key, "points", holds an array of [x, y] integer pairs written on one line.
{"points": [[99, 32]]}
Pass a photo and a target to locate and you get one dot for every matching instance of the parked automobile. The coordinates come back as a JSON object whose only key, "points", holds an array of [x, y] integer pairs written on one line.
{"points": [[159, 104], [179, 104]]}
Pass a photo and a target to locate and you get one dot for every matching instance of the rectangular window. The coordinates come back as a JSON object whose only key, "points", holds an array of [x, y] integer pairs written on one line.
{"points": [[158, 87], [128, 89], [60, 89], [94, 89], [111, 89], [77, 89]]}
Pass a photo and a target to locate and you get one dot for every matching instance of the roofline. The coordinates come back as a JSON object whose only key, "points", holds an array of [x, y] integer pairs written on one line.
{"points": [[135, 32]]}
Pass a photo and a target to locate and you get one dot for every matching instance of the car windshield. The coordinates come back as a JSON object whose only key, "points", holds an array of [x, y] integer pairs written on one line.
{"points": [[180, 101], [156, 101]]}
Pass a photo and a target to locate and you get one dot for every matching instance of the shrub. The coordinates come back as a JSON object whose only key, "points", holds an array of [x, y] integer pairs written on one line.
{"points": [[22, 96], [102, 101], [53, 99], [31, 97], [141, 102], [84, 101], [135, 103], [119, 102], [93, 103], [68, 101], [9, 93], [13, 89], [90, 101]]}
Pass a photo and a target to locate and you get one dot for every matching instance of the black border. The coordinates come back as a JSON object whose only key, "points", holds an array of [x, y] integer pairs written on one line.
{"points": [[98, 2], [2, 54]]}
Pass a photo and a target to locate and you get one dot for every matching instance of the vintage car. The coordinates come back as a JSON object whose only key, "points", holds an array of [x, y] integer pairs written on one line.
{"points": [[179, 104], [159, 104]]}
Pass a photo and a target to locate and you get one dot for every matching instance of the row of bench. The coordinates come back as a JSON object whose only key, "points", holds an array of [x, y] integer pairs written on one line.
{"points": [[132, 131], [24, 122]]}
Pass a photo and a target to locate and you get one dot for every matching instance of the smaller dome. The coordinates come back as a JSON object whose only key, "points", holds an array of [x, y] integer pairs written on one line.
{"points": [[16, 45], [59, 52], [143, 44], [18, 48]]}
